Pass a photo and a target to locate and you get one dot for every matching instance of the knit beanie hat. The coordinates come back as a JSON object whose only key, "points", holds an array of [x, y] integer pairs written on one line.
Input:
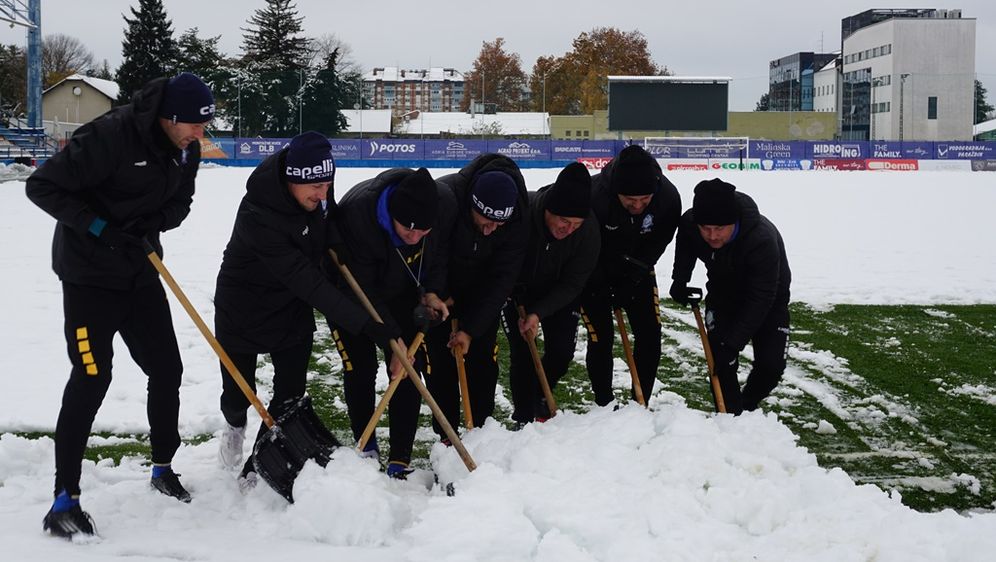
{"points": [[715, 203], [415, 201], [493, 195], [309, 159], [570, 195], [187, 99], [635, 172]]}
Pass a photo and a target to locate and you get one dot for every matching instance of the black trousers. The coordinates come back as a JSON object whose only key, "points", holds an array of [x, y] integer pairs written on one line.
{"points": [[359, 359], [290, 376], [142, 317], [560, 331], [770, 343], [644, 316], [481, 364]]}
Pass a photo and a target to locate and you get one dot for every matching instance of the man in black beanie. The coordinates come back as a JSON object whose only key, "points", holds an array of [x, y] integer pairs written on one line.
{"points": [[748, 287], [271, 281], [122, 179], [637, 209], [561, 253], [486, 252], [396, 230]]}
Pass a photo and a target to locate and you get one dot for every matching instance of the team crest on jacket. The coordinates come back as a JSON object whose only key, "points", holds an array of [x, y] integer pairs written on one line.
{"points": [[648, 224]]}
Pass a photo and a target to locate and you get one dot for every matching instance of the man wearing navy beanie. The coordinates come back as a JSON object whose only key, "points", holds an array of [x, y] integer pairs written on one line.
{"points": [[486, 252], [748, 288], [271, 281], [121, 180]]}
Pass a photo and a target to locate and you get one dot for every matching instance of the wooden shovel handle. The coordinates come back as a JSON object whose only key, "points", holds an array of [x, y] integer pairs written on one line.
{"points": [[225, 359], [384, 400], [717, 391], [468, 416], [628, 351], [396, 348], [551, 402]]}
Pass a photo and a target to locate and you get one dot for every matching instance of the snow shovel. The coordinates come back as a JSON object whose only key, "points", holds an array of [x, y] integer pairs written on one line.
{"points": [[468, 417], [379, 411], [396, 348], [551, 403], [290, 441], [637, 387], [694, 297]]}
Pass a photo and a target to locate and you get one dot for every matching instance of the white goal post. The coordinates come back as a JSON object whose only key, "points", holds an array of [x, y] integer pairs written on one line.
{"points": [[713, 148]]}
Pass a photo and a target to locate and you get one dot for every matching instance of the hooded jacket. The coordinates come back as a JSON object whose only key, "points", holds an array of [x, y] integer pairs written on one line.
{"points": [[482, 269], [374, 260], [555, 271], [271, 279], [746, 277], [120, 167], [643, 237]]}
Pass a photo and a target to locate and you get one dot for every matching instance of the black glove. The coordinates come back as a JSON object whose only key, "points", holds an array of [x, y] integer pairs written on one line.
{"points": [[679, 292], [117, 239], [145, 225], [381, 334]]}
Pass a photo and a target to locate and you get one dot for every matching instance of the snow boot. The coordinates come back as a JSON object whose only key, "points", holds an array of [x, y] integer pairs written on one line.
{"points": [[168, 482], [371, 450]]}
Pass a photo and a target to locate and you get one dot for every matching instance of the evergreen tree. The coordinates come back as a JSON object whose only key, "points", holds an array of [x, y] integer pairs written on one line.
{"points": [[764, 103], [275, 61], [203, 58], [982, 108], [324, 97], [148, 50], [13, 79]]}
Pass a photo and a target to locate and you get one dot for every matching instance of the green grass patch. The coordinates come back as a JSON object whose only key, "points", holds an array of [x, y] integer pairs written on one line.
{"points": [[909, 391]]}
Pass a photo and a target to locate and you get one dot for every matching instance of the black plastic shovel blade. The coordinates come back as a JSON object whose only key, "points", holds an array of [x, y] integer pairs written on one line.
{"points": [[298, 436]]}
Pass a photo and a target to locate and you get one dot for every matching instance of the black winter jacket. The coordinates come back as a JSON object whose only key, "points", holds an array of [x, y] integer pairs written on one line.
{"points": [[746, 277], [119, 167], [373, 259], [642, 237], [555, 271], [270, 279], [482, 269]]}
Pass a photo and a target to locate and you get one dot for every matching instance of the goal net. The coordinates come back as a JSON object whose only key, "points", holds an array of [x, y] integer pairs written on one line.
{"points": [[710, 148]]}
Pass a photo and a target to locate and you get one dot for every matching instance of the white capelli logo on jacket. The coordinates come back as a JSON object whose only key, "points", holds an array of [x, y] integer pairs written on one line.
{"points": [[321, 172], [490, 212]]}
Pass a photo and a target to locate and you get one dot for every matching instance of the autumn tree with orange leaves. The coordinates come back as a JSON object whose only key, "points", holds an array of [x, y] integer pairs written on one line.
{"points": [[577, 83], [503, 78]]}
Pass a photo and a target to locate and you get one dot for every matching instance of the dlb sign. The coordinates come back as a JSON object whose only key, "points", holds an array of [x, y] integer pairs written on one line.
{"points": [[392, 149], [259, 148]]}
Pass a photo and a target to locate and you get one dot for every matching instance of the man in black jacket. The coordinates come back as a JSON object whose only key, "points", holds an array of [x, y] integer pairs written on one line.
{"points": [[396, 228], [637, 209], [748, 287], [486, 253], [561, 254], [271, 280], [125, 176]]}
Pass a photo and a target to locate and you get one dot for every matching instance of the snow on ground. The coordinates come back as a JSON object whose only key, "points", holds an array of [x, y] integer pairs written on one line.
{"points": [[672, 483]]}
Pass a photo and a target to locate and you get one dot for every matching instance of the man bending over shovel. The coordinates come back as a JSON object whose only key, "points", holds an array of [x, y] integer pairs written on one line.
{"points": [[271, 280]]}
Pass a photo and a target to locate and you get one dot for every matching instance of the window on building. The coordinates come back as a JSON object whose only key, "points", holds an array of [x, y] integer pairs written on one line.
{"points": [[932, 107], [567, 133], [586, 133], [577, 133]]}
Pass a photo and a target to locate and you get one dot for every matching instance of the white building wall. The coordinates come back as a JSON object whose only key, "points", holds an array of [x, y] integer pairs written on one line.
{"points": [[938, 57], [825, 89]]}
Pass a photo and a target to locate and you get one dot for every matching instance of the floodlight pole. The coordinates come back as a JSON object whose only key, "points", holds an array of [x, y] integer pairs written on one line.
{"points": [[902, 98]]}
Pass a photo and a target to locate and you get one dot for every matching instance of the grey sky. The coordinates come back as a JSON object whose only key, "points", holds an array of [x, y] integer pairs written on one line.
{"points": [[705, 37]]}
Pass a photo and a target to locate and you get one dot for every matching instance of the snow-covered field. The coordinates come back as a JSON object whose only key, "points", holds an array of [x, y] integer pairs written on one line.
{"points": [[672, 483]]}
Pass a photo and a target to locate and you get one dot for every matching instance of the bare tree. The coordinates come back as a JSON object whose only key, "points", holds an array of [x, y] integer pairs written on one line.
{"points": [[63, 55], [322, 47]]}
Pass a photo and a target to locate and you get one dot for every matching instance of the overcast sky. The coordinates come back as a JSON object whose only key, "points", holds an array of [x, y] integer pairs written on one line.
{"points": [[700, 38]]}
